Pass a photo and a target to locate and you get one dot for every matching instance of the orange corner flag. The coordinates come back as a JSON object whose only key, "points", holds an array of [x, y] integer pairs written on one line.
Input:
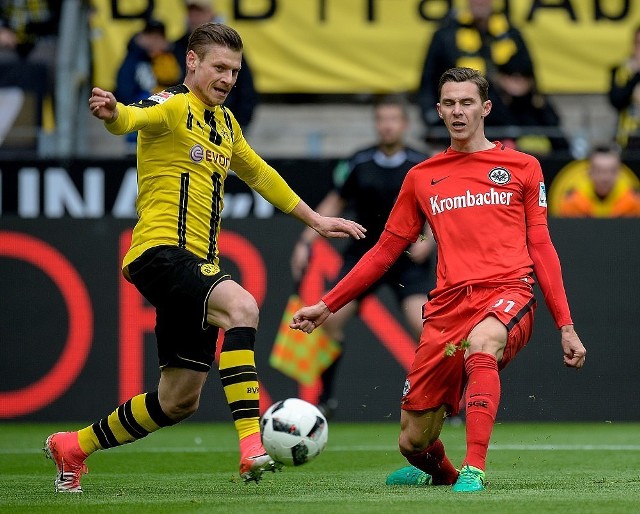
{"points": [[298, 355]]}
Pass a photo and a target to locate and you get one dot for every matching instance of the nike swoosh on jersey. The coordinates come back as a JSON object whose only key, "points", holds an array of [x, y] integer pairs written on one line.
{"points": [[434, 181]]}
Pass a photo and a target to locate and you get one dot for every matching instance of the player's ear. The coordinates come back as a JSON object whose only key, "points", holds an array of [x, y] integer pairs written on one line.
{"points": [[486, 108], [192, 60]]}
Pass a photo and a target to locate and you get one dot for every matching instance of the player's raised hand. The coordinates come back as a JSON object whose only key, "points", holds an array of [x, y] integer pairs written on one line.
{"points": [[307, 319], [103, 104]]}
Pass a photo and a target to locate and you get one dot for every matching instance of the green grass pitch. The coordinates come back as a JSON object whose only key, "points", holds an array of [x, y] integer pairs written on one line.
{"points": [[192, 467]]}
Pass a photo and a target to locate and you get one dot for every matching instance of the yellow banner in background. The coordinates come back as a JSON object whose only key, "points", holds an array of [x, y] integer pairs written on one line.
{"points": [[364, 46], [114, 22], [576, 43]]}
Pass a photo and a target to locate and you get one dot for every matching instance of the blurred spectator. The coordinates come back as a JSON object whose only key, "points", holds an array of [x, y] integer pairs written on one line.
{"points": [[476, 38], [603, 188], [243, 98], [28, 39], [521, 116], [149, 67], [624, 95], [28, 31]]}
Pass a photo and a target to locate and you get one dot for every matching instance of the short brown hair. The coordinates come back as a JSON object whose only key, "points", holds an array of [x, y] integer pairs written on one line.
{"points": [[396, 100], [209, 34], [465, 75]]}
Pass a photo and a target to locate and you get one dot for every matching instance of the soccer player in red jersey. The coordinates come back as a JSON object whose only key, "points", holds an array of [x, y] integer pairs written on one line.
{"points": [[486, 205]]}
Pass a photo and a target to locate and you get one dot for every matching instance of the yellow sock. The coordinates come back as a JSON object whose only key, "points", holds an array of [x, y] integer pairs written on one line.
{"points": [[132, 420], [240, 379]]}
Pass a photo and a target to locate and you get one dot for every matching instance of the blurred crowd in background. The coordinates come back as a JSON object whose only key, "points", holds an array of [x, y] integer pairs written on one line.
{"points": [[475, 35]]}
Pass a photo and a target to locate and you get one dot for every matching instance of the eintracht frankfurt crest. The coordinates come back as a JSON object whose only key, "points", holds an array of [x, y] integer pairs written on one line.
{"points": [[500, 176]]}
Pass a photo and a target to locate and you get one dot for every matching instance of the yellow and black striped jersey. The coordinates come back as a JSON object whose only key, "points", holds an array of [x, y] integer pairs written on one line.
{"points": [[185, 150]]}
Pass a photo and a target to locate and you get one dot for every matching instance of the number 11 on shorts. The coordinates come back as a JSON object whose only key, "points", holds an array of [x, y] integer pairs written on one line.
{"points": [[507, 308]]}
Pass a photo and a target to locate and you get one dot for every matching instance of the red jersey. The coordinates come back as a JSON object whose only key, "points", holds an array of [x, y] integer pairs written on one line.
{"points": [[479, 206]]}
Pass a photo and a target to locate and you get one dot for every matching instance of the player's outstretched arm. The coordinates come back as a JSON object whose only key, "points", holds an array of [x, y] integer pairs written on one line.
{"points": [[367, 271], [327, 226], [103, 104], [574, 351], [307, 319]]}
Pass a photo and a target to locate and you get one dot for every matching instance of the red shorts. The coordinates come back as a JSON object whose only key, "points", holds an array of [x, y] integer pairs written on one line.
{"points": [[437, 376]]}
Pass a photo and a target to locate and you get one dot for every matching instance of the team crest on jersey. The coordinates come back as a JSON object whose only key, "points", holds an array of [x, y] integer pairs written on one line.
{"points": [[500, 176], [224, 133], [542, 195], [208, 269]]}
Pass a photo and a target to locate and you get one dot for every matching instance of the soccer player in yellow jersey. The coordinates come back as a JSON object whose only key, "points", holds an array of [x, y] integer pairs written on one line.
{"points": [[187, 143]]}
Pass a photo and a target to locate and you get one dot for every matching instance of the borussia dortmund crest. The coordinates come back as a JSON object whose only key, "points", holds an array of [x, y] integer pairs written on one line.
{"points": [[209, 269]]}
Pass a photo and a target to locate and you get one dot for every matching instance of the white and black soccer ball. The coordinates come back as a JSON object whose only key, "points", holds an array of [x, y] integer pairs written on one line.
{"points": [[294, 431]]}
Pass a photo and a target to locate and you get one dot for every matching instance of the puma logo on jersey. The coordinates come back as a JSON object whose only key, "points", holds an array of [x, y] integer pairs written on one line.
{"points": [[491, 197]]}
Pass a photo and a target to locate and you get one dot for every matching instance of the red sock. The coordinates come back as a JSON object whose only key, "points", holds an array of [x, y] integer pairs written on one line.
{"points": [[434, 461], [482, 398]]}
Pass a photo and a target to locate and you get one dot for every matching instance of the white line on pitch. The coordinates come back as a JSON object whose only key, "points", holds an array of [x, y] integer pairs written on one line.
{"points": [[355, 448]]}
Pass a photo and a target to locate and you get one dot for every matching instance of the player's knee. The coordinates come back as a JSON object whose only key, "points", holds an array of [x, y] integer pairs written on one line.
{"points": [[245, 312], [412, 443], [486, 345], [489, 336], [182, 408]]}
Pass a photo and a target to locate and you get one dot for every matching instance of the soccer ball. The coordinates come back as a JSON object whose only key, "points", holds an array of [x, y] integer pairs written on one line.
{"points": [[294, 432]]}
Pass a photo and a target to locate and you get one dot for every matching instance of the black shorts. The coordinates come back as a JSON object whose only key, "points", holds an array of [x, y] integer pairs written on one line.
{"points": [[405, 278], [178, 283]]}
